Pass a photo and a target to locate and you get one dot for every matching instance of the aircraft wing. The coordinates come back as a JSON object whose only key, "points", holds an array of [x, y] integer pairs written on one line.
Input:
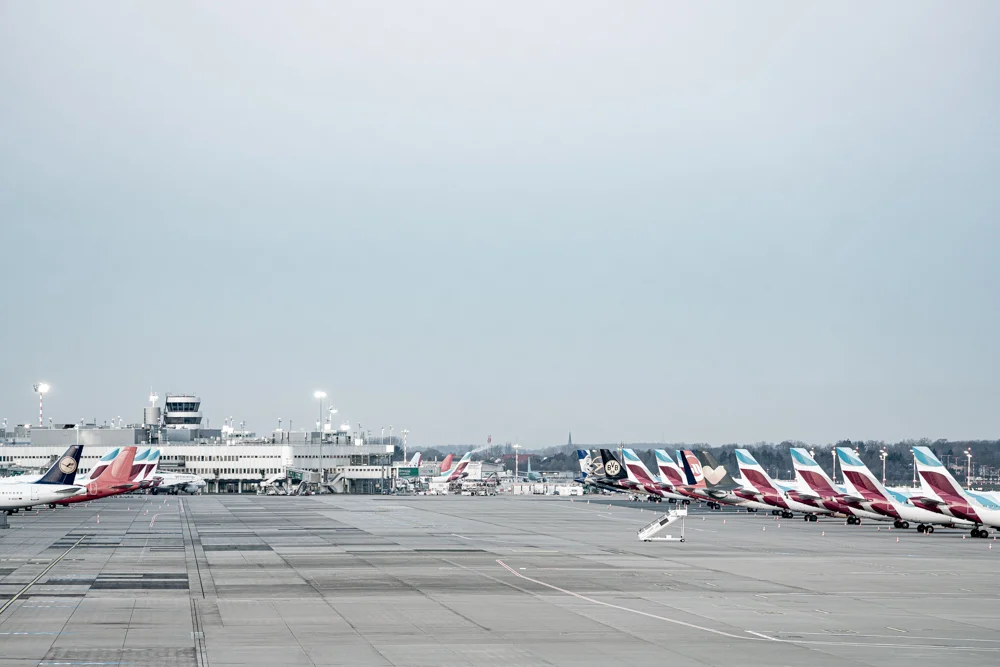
{"points": [[928, 501]]}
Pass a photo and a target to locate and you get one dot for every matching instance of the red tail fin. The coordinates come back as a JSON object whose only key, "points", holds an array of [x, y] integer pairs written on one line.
{"points": [[121, 468]]}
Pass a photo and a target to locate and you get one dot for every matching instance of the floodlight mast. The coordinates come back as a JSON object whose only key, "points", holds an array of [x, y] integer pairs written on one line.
{"points": [[41, 388], [320, 394]]}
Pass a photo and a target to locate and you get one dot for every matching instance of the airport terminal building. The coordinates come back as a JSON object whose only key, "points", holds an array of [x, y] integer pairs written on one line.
{"points": [[229, 460]]}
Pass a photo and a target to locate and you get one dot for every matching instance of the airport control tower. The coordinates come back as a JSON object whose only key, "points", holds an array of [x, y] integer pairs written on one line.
{"points": [[182, 411]]}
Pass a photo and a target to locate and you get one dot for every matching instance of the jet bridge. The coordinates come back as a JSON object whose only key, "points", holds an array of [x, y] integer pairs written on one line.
{"points": [[651, 532]]}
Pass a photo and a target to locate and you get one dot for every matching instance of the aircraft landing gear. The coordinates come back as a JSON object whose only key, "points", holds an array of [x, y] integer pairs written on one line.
{"points": [[904, 524], [787, 515], [980, 532], [52, 506], [775, 512]]}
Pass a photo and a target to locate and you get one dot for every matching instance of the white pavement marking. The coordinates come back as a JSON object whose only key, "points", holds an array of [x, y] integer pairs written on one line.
{"points": [[40, 575], [757, 635]]}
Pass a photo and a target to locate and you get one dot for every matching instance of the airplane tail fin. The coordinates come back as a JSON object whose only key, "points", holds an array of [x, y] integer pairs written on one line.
{"points": [[693, 467], [596, 463], [809, 473], [63, 471], [612, 468], [583, 456], [121, 467], [415, 461], [934, 476], [858, 479], [459, 470], [139, 465], [103, 464], [754, 473], [715, 474], [670, 472], [446, 463], [636, 468], [152, 465]]}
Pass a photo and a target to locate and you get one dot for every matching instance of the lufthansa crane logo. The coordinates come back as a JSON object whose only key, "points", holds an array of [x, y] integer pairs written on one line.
{"points": [[612, 467], [67, 465]]}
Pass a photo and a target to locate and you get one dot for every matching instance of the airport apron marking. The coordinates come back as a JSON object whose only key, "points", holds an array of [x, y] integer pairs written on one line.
{"points": [[758, 636], [40, 575]]}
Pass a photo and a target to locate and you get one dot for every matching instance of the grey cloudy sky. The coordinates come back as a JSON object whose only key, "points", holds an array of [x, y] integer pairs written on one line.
{"points": [[637, 220]]}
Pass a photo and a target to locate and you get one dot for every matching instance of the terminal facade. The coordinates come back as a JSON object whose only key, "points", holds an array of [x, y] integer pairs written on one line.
{"points": [[229, 459]]}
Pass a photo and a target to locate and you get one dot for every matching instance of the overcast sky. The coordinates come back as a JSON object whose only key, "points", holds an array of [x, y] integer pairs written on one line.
{"points": [[702, 222]]}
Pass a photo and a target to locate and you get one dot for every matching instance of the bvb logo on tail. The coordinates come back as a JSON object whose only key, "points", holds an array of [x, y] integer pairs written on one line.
{"points": [[612, 467]]}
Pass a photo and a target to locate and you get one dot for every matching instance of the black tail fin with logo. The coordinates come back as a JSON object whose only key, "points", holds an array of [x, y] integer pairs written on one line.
{"points": [[63, 471], [716, 475], [613, 469]]}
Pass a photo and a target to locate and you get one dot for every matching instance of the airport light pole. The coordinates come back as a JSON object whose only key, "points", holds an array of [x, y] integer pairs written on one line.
{"points": [[833, 450], [883, 455], [320, 395], [405, 431], [968, 470], [381, 436], [41, 389], [516, 447]]}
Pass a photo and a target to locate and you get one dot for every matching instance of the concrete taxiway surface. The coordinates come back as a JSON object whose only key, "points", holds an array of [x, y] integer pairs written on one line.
{"points": [[334, 580]]}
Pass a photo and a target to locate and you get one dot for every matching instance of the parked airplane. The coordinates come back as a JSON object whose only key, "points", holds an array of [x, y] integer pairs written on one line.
{"points": [[57, 483], [148, 475], [821, 489], [533, 476], [608, 474], [865, 489], [586, 465], [944, 494], [109, 480], [415, 461], [718, 486], [446, 464], [456, 473], [771, 494], [645, 481], [173, 483]]}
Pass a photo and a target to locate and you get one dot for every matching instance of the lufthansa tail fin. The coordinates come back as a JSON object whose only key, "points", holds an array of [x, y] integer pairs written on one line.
{"points": [[63, 471]]}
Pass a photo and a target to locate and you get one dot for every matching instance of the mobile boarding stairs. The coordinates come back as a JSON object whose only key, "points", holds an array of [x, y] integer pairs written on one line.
{"points": [[651, 532]]}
